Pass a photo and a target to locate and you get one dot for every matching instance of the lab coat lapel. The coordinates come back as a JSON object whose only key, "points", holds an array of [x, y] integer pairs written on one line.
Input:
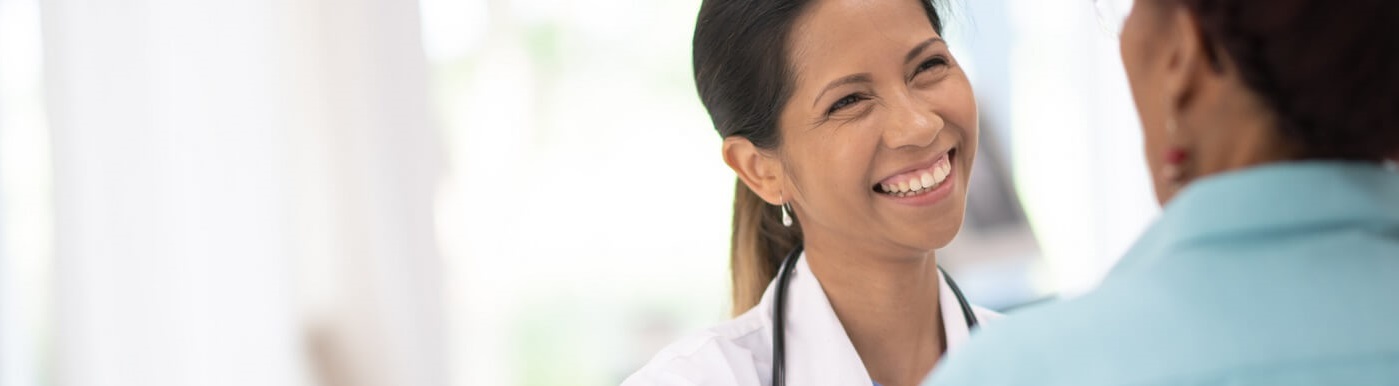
{"points": [[954, 323], [818, 350]]}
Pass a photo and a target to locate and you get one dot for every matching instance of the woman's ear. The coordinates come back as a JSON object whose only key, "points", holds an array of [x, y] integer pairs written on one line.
{"points": [[1190, 65], [756, 168]]}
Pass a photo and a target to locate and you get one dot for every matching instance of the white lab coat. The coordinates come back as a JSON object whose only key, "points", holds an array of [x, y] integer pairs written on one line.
{"points": [[739, 351]]}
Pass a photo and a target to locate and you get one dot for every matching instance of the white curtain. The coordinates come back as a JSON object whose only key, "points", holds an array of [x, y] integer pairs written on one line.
{"points": [[243, 193]]}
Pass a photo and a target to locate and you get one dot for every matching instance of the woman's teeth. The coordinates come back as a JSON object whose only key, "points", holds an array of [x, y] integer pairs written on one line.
{"points": [[916, 184]]}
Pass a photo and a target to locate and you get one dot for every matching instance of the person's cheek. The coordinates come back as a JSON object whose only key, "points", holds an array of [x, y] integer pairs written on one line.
{"points": [[969, 130]]}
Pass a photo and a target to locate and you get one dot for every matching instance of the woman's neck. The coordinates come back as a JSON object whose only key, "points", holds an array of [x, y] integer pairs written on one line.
{"points": [[1234, 130], [888, 306]]}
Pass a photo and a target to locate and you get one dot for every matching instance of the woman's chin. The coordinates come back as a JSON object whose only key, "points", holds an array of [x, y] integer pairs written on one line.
{"points": [[920, 244]]}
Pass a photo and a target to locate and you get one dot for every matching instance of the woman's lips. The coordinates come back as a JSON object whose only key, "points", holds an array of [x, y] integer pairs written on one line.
{"points": [[927, 196], [917, 181]]}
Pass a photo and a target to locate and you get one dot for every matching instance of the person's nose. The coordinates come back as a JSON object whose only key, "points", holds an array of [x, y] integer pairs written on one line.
{"points": [[913, 122]]}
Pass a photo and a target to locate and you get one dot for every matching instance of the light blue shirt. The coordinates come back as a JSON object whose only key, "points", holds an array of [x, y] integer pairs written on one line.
{"points": [[1285, 274]]}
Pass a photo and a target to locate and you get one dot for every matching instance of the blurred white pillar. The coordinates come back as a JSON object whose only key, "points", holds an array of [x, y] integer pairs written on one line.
{"points": [[371, 158], [238, 184], [171, 186], [26, 217]]}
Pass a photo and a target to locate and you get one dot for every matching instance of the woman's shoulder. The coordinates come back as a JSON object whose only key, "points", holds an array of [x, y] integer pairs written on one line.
{"points": [[730, 353]]}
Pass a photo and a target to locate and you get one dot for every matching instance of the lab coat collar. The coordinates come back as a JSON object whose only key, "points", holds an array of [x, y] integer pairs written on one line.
{"points": [[955, 330], [818, 350]]}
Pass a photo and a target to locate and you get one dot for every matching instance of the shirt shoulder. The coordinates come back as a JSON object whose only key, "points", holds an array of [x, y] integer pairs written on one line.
{"points": [[735, 352], [983, 313], [1196, 323], [1012, 352], [1055, 343]]}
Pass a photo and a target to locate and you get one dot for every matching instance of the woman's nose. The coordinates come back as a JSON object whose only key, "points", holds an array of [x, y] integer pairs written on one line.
{"points": [[913, 122]]}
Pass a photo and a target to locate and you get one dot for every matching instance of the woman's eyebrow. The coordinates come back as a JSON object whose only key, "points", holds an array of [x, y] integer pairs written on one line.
{"points": [[918, 49], [863, 77]]}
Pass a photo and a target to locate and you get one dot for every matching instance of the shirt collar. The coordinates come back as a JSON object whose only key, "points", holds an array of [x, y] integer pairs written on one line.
{"points": [[1271, 199]]}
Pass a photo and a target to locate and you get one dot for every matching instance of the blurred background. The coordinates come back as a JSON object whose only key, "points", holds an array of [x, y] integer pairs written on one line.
{"points": [[458, 192]]}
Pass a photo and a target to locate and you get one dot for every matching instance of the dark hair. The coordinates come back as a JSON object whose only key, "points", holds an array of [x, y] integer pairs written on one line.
{"points": [[1328, 69], [744, 80]]}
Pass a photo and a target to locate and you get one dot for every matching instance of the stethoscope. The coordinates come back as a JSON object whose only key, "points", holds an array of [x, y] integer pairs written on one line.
{"points": [[785, 275]]}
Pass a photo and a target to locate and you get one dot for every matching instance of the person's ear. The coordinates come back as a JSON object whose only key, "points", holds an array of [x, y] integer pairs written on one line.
{"points": [[758, 169], [1190, 65]]}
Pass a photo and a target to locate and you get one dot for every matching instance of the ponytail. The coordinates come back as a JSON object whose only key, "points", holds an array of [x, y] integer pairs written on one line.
{"points": [[759, 243]]}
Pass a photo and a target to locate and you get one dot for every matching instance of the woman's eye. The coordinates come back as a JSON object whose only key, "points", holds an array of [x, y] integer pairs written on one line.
{"points": [[930, 63], [844, 102]]}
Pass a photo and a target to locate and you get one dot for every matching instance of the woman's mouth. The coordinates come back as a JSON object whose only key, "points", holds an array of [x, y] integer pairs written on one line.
{"points": [[918, 182]]}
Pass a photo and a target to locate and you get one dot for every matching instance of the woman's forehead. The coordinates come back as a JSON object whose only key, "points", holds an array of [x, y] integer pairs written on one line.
{"points": [[847, 33], [832, 19], [834, 39]]}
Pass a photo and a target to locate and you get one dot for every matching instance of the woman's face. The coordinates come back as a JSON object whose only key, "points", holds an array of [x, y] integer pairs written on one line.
{"points": [[1144, 76], [880, 131]]}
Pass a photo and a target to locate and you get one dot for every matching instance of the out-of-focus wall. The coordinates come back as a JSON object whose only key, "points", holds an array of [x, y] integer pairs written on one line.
{"points": [[243, 194]]}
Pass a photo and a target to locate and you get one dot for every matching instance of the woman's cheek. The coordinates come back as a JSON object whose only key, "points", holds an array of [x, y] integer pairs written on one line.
{"points": [[852, 151]]}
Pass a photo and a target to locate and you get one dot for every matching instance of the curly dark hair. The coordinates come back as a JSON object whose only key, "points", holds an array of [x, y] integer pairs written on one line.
{"points": [[1329, 69]]}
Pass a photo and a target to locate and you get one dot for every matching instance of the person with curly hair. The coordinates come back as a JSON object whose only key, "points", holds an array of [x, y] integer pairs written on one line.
{"points": [[1275, 260]]}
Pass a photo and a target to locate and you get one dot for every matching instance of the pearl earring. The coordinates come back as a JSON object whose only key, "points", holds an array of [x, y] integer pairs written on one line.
{"points": [[786, 214]]}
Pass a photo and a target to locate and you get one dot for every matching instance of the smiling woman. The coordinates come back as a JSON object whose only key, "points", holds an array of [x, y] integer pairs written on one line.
{"points": [[852, 129]]}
